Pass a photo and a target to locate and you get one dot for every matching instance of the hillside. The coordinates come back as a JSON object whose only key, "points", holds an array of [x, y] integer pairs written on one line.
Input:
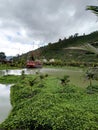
{"points": [[59, 50]]}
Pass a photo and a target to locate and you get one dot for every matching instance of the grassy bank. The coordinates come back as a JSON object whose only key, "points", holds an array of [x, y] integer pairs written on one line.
{"points": [[6, 67], [10, 79], [42, 102]]}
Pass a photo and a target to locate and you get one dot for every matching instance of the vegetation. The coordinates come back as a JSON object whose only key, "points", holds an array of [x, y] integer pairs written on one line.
{"points": [[7, 67], [2, 56], [92, 74], [10, 79], [65, 80], [42, 102], [94, 9], [63, 53], [92, 89]]}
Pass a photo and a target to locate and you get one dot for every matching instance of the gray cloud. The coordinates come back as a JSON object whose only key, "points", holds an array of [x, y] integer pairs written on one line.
{"points": [[46, 20]]}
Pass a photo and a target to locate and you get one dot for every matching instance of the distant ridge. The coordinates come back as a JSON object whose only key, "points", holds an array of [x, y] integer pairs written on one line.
{"points": [[9, 57]]}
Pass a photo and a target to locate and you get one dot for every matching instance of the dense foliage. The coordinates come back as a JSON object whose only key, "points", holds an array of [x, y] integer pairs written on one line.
{"points": [[2, 56], [9, 79], [42, 102]]}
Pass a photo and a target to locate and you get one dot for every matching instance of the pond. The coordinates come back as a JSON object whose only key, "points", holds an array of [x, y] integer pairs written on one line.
{"points": [[50, 71], [76, 74], [5, 106]]}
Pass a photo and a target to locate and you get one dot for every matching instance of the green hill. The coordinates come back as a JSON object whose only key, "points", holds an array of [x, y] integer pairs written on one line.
{"points": [[58, 50], [62, 50]]}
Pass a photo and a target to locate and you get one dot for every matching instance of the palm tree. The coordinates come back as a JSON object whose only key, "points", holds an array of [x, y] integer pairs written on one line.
{"points": [[85, 47], [94, 9], [89, 47]]}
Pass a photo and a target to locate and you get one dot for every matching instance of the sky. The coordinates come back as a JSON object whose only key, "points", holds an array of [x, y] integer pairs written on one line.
{"points": [[28, 24]]}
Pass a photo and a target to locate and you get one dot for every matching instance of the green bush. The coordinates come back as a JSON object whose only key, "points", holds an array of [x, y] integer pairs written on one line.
{"points": [[65, 80], [92, 89]]}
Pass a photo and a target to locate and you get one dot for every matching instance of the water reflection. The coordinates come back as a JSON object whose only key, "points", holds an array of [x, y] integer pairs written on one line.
{"points": [[31, 71], [4, 101], [50, 71]]}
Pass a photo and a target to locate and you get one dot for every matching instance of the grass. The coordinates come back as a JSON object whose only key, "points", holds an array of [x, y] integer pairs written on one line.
{"points": [[76, 74], [41, 103], [6, 67], [9, 79]]}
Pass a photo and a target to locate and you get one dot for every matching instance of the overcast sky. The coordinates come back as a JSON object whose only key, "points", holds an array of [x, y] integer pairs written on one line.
{"points": [[28, 24]]}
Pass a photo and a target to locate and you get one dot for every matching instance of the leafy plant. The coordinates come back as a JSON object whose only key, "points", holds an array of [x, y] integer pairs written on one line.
{"points": [[92, 74], [65, 80], [33, 81], [92, 89], [22, 74], [94, 9], [42, 77]]}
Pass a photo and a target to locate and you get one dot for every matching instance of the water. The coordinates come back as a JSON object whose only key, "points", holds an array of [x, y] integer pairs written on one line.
{"points": [[30, 71], [5, 105], [51, 71]]}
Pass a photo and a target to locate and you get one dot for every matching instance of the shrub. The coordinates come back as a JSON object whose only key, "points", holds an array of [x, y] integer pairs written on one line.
{"points": [[92, 89], [22, 74], [65, 80]]}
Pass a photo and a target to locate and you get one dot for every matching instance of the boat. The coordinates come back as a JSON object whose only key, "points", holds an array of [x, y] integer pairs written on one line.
{"points": [[34, 64]]}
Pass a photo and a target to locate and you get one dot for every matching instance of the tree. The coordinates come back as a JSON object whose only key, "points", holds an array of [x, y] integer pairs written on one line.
{"points": [[2, 56], [90, 75], [60, 40], [70, 37], [89, 47], [76, 35], [94, 9]]}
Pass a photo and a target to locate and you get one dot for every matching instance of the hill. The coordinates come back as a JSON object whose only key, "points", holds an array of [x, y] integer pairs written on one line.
{"points": [[63, 49]]}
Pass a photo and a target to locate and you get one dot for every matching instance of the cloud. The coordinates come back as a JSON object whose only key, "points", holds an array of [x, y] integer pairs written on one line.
{"points": [[29, 22]]}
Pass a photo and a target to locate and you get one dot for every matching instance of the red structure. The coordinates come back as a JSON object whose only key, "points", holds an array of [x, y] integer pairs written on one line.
{"points": [[34, 64]]}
